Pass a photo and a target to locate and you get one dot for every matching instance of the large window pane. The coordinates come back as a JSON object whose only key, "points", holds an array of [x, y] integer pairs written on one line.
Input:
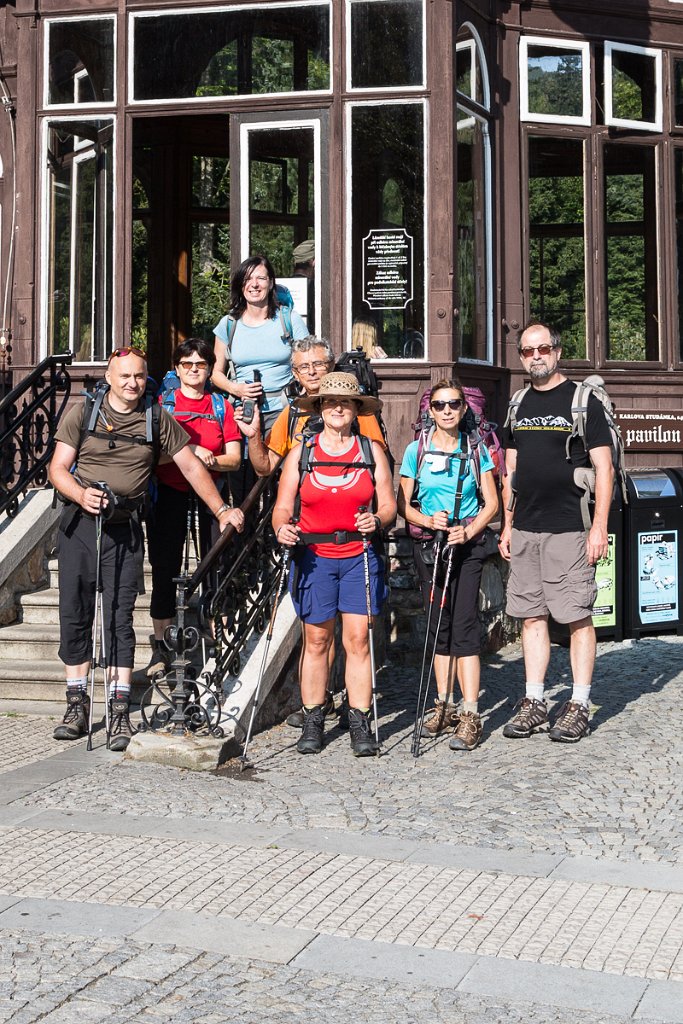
{"points": [[557, 270], [386, 43], [631, 252], [678, 167], [210, 182], [81, 61], [473, 237], [555, 81], [210, 276], [231, 53], [80, 231], [633, 85], [468, 71], [387, 215], [678, 93]]}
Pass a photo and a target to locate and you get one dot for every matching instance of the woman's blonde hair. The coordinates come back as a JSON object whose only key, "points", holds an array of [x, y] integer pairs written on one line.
{"points": [[364, 335]]}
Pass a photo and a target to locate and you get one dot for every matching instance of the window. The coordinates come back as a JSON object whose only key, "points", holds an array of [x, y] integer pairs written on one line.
{"points": [[386, 44], [678, 172], [557, 264], [678, 92], [78, 249], [210, 216], [387, 236], [80, 61], [633, 91], [264, 50], [554, 81]]}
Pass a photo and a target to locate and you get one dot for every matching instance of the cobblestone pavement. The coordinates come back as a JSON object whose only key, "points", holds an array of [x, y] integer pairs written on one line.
{"points": [[548, 876]]}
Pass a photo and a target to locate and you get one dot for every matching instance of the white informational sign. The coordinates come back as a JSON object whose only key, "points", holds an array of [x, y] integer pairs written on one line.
{"points": [[658, 576], [298, 286]]}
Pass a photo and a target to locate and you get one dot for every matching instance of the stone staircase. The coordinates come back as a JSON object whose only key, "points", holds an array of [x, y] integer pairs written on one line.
{"points": [[29, 667]]}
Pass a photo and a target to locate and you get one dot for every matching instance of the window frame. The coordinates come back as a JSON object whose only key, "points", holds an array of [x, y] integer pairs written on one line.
{"points": [[78, 19], [657, 125], [348, 213], [193, 101], [387, 89], [555, 43]]}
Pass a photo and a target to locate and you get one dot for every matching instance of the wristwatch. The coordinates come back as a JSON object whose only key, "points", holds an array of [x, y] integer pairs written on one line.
{"points": [[220, 510], [378, 523]]}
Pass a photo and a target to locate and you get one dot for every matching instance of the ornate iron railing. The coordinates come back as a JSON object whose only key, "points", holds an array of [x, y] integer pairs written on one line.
{"points": [[236, 582], [29, 414]]}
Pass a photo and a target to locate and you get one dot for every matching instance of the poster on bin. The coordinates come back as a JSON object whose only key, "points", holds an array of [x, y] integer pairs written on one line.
{"points": [[658, 576], [604, 607]]}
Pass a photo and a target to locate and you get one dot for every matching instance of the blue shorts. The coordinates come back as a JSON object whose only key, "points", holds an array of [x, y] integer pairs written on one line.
{"points": [[326, 586]]}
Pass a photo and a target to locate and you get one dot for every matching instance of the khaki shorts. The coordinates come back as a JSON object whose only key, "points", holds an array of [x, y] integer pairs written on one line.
{"points": [[549, 573]]}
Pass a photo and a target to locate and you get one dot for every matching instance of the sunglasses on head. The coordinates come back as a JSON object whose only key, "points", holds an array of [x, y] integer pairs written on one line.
{"points": [[543, 350], [452, 403], [127, 351]]}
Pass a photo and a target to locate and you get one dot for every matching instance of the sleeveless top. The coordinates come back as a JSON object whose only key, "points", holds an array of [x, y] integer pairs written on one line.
{"points": [[331, 496]]}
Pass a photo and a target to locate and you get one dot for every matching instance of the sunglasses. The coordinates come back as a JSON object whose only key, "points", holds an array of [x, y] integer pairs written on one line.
{"points": [[452, 403], [528, 350], [127, 351], [188, 365]]}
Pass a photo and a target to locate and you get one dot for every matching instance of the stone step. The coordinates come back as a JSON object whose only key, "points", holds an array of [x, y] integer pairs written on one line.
{"points": [[32, 641], [42, 608], [44, 681], [53, 575]]}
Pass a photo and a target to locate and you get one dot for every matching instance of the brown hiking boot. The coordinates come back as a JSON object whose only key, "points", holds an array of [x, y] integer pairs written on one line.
{"points": [[532, 716], [120, 729], [444, 716], [75, 721], [571, 723], [468, 731], [160, 659]]}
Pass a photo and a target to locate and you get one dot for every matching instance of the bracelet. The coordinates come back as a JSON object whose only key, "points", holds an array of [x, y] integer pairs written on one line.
{"points": [[220, 510]]}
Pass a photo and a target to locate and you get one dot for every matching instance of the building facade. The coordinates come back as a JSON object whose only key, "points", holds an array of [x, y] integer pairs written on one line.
{"points": [[459, 167]]}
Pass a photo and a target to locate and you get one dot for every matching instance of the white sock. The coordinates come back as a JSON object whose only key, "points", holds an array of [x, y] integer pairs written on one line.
{"points": [[534, 690], [80, 684], [447, 698], [581, 695], [472, 706], [120, 691]]}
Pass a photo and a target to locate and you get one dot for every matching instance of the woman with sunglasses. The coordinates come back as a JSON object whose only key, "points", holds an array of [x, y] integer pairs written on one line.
{"points": [[216, 440], [442, 494]]}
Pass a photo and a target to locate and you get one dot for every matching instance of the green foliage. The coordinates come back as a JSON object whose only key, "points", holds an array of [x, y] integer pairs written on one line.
{"points": [[555, 84], [210, 277]]}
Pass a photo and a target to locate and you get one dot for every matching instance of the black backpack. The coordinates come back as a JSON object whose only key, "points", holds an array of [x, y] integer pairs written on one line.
{"points": [[93, 415]]}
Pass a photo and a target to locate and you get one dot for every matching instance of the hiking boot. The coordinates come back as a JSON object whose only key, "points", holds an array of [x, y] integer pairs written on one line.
{"points": [[571, 723], [75, 721], [161, 658], [120, 729], [532, 716], [296, 719], [444, 716], [363, 742], [467, 732], [311, 741], [343, 720]]}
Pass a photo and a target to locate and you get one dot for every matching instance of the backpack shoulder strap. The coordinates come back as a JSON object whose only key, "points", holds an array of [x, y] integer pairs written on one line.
{"points": [[286, 323], [218, 404], [365, 445], [230, 327], [515, 402]]}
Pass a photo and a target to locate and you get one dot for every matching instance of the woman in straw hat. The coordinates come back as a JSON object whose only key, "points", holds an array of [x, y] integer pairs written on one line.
{"points": [[325, 483]]}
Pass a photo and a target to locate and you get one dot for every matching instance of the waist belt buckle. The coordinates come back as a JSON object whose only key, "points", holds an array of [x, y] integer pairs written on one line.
{"points": [[341, 537]]}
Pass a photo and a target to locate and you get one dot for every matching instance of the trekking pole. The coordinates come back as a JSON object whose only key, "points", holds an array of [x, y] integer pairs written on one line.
{"points": [[371, 642], [286, 558], [423, 688], [98, 616]]}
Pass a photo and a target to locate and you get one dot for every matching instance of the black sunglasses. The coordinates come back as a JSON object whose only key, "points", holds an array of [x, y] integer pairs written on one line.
{"points": [[452, 403]]}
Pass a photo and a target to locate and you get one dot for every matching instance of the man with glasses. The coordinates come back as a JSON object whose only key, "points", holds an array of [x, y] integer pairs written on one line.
{"points": [[119, 451], [552, 558], [312, 358]]}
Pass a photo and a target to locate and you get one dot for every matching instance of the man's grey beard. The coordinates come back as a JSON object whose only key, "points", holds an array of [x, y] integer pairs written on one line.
{"points": [[540, 371]]}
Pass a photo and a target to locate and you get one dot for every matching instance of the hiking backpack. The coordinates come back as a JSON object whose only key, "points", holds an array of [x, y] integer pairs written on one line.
{"points": [[167, 393], [584, 476], [92, 414], [285, 306], [306, 464], [357, 363]]}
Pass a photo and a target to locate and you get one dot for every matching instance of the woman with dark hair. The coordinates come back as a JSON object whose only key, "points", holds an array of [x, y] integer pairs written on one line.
{"points": [[442, 489], [253, 336], [215, 439]]}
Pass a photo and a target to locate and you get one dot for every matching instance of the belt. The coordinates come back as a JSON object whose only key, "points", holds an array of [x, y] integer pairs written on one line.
{"points": [[338, 537]]}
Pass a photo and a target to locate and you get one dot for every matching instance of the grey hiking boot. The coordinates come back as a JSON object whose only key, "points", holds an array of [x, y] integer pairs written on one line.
{"points": [[120, 729], [75, 721], [311, 740], [362, 737], [468, 731], [571, 723], [296, 719], [444, 716], [531, 716], [160, 659]]}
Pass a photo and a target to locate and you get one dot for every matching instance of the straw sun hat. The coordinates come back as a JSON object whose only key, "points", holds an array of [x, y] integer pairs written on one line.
{"points": [[340, 385]]}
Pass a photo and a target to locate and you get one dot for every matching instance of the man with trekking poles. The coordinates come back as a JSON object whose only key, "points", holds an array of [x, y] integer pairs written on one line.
{"points": [[104, 456], [552, 553]]}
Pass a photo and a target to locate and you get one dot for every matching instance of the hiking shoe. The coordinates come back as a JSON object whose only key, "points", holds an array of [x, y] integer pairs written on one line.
{"points": [[571, 723], [467, 732], [120, 729], [363, 742], [444, 716], [311, 741], [296, 719], [532, 716], [75, 721], [161, 658]]}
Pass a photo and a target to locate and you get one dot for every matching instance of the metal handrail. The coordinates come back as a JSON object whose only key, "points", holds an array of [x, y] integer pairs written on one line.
{"points": [[27, 434]]}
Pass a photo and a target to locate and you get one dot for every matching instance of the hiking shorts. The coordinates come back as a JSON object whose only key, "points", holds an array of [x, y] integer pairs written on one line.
{"points": [[549, 573], [325, 586]]}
